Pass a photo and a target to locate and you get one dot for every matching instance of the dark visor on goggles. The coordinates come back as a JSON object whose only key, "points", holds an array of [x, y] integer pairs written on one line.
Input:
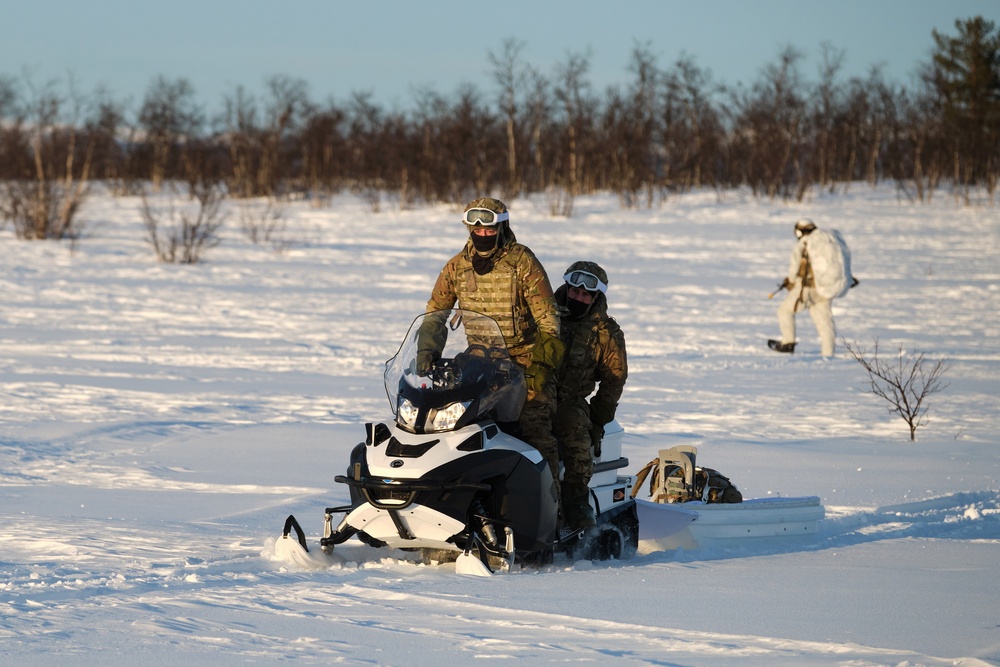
{"points": [[484, 216], [586, 280]]}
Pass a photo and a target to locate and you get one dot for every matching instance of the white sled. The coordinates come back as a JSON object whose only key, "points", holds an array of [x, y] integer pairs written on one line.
{"points": [[717, 523], [660, 526], [732, 524]]}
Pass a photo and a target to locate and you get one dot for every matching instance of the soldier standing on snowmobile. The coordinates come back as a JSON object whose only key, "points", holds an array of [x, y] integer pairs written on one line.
{"points": [[497, 276], [816, 250], [595, 357]]}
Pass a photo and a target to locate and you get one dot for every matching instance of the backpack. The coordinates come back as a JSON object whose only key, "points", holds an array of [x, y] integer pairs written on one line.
{"points": [[830, 259]]}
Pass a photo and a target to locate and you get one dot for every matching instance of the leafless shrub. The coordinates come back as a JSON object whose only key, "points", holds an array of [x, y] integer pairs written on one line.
{"points": [[44, 205], [187, 237], [263, 224], [42, 209], [905, 382]]}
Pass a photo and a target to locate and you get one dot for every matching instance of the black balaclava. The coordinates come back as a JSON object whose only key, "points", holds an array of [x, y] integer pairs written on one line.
{"points": [[482, 258], [486, 249], [485, 245], [578, 309]]}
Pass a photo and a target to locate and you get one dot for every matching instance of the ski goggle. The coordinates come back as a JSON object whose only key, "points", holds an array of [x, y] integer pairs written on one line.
{"points": [[484, 217], [586, 280]]}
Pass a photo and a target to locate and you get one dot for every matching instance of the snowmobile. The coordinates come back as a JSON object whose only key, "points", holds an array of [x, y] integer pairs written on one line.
{"points": [[448, 477]]}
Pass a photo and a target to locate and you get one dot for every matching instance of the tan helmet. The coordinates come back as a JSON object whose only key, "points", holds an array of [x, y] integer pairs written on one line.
{"points": [[485, 211], [490, 203]]}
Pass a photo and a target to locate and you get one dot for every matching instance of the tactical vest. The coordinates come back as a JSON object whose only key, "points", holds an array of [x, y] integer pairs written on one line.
{"points": [[498, 294]]}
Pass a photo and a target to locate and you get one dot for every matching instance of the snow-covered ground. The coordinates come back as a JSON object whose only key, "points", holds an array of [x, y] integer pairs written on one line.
{"points": [[158, 422]]}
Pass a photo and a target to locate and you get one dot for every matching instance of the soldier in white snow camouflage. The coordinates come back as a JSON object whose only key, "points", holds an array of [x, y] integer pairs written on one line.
{"points": [[818, 271]]}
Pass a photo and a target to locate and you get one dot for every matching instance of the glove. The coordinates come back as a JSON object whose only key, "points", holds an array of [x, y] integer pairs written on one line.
{"points": [[786, 283], [546, 356], [537, 376], [548, 351], [596, 437], [425, 359], [602, 412], [431, 337]]}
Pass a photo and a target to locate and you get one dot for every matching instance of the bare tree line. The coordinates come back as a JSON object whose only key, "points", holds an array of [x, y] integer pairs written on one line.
{"points": [[665, 130]]}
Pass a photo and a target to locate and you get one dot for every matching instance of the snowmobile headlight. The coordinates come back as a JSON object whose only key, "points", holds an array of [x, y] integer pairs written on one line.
{"points": [[406, 415], [446, 418]]}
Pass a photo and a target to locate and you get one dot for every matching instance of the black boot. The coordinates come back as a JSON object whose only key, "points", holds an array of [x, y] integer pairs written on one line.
{"points": [[577, 512], [778, 346]]}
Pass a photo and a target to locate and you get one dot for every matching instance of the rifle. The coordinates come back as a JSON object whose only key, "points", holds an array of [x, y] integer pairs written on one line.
{"points": [[784, 285], [781, 286]]}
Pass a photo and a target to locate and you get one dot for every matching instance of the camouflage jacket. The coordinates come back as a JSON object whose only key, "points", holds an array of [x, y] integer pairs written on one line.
{"points": [[595, 357], [516, 293]]}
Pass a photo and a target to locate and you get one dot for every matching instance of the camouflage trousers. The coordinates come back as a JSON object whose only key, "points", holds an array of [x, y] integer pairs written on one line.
{"points": [[535, 423], [572, 429]]}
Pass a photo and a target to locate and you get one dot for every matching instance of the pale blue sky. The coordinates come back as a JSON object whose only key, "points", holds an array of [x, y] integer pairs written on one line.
{"points": [[390, 47]]}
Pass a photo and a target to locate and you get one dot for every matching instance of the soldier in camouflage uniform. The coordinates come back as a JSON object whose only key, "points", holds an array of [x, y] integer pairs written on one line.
{"points": [[595, 357], [497, 276]]}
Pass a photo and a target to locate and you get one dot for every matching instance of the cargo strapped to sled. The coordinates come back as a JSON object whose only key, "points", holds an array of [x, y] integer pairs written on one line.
{"points": [[674, 478]]}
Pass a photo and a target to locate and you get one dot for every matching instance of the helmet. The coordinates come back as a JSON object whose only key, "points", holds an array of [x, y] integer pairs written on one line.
{"points": [[485, 211], [803, 227], [583, 274]]}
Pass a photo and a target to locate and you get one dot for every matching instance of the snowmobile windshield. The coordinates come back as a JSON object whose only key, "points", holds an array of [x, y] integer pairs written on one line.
{"points": [[452, 369]]}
